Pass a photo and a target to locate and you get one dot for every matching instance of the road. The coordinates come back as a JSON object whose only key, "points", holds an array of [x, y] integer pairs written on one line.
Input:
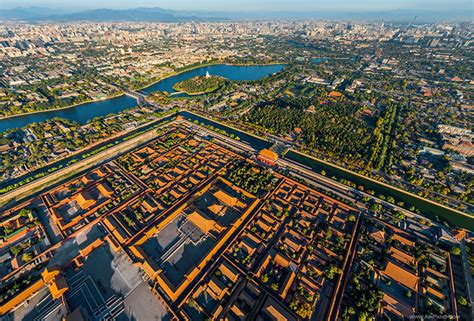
{"points": [[101, 157], [229, 141], [320, 180], [341, 189]]}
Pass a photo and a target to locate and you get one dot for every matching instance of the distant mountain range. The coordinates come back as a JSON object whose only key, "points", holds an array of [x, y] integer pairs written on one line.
{"points": [[27, 13], [36, 14], [33, 14]]}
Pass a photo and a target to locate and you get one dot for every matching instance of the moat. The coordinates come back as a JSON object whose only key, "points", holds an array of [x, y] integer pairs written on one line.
{"points": [[88, 111]]}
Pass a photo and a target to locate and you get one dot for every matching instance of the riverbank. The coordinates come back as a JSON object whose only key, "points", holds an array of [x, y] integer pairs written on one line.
{"points": [[126, 141], [178, 73], [226, 125], [265, 64], [382, 183], [108, 97], [205, 65], [62, 108], [428, 208], [141, 88], [39, 185], [83, 153]]}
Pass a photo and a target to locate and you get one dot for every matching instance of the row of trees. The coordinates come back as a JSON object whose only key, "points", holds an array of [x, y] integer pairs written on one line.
{"points": [[333, 128], [383, 136]]}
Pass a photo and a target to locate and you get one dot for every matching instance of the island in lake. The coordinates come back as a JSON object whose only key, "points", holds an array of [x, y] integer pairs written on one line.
{"points": [[200, 84]]}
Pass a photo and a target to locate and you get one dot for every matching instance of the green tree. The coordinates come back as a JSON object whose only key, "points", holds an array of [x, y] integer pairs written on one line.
{"points": [[27, 257], [462, 301], [455, 250], [15, 250]]}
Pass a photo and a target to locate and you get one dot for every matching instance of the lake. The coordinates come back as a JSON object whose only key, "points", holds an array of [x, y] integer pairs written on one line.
{"points": [[231, 72], [82, 113]]}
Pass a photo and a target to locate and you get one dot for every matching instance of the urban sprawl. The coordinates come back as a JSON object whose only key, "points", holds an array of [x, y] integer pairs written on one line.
{"points": [[338, 187]]}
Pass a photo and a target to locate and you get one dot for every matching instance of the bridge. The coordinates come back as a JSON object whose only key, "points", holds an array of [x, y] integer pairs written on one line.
{"points": [[280, 146], [140, 97]]}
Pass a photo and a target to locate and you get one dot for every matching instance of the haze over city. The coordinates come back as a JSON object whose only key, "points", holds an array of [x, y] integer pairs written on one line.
{"points": [[236, 160], [251, 5]]}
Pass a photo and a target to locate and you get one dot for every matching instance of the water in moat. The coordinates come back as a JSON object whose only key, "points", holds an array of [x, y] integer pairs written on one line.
{"points": [[427, 209], [85, 112]]}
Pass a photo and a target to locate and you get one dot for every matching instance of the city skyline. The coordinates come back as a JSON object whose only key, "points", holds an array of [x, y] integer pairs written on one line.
{"points": [[215, 162], [251, 6]]}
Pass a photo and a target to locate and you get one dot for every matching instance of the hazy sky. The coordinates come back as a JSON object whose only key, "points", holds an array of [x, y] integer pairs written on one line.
{"points": [[250, 5]]}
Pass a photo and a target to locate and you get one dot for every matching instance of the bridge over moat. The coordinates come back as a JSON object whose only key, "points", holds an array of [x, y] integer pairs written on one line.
{"points": [[140, 97]]}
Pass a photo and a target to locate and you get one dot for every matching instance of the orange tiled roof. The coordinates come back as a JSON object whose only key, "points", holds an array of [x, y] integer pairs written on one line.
{"points": [[147, 204], [402, 256], [104, 189], [58, 287], [50, 273], [273, 310], [268, 154], [436, 293], [397, 307], [205, 224], [229, 271], [85, 179], [335, 94], [84, 200], [225, 198], [216, 208], [378, 235], [401, 275], [217, 289], [403, 240]]}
